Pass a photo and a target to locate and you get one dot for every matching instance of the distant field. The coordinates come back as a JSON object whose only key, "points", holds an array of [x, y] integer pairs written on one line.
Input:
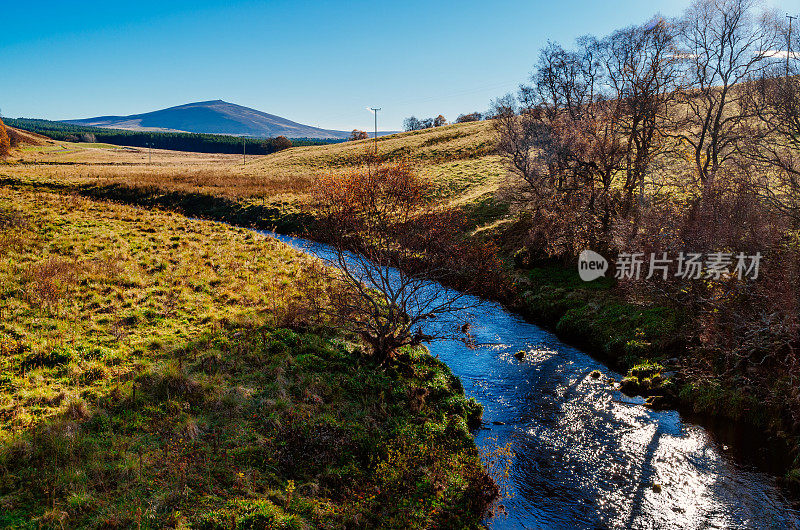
{"points": [[457, 158], [174, 140]]}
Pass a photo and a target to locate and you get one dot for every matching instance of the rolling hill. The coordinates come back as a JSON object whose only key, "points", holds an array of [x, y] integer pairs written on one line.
{"points": [[460, 159], [215, 117]]}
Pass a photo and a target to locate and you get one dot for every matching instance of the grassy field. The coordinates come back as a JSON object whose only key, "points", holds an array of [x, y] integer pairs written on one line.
{"points": [[458, 158], [272, 190], [163, 372]]}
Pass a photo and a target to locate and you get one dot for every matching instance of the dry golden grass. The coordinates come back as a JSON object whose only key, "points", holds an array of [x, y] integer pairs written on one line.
{"points": [[455, 157], [109, 277], [28, 138]]}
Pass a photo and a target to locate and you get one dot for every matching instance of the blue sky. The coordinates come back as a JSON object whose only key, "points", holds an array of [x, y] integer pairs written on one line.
{"points": [[320, 63]]}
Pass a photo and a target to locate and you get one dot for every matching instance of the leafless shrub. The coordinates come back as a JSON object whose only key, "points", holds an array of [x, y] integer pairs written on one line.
{"points": [[724, 43], [390, 259]]}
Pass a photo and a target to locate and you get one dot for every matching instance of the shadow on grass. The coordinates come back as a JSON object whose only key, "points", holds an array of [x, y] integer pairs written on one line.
{"points": [[255, 426]]}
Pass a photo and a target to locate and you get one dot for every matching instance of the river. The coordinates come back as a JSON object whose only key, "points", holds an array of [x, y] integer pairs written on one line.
{"points": [[587, 456]]}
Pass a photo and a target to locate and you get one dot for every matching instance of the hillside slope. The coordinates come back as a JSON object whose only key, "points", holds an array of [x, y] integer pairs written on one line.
{"points": [[216, 117], [150, 376], [460, 159], [27, 137]]}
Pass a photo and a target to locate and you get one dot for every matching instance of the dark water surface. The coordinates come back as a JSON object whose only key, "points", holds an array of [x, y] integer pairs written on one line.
{"points": [[585, 455]]}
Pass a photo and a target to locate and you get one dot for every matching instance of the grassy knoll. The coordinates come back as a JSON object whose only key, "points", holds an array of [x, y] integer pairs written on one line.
{"points": [[161, 372]]}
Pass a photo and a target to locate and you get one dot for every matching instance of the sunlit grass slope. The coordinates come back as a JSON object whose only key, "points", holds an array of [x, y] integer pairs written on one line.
{"points": [[458, 158], [148, 380]]}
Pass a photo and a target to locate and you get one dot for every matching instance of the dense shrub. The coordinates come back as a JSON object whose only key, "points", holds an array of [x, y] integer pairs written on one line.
{"points": [[473, 116], [5, 142]]}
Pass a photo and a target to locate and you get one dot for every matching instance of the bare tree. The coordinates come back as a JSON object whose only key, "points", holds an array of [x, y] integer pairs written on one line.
{"points": [[771, 140], [641, 78], [522, 138], [724, 44], [392, 260], [561, 139], [590, 116], [412, 123]]}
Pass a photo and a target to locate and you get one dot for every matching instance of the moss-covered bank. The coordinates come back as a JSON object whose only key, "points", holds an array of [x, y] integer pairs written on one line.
{"points": [[256, 428], [149, 378], [644, 343]]}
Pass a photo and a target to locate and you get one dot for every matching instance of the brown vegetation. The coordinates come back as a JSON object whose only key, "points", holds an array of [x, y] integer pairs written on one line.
{"points": [[674, 137], [358, 135], [5, 142], [394, 255]]}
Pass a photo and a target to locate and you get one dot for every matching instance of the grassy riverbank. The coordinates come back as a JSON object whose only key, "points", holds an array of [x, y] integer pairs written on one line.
{"points": [[159, 371], [634, 336]]}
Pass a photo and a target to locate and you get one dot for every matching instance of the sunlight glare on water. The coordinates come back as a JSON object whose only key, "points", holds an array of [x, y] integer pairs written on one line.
{"points": [[585, 455]]}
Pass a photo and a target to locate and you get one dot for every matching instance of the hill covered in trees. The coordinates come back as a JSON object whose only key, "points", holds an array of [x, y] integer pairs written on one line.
{"points": [[175, 141], [214, 117]]}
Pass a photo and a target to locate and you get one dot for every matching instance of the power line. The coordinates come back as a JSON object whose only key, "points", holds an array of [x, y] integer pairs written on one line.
{"points": [[375, 111], [789, 46], [448, 95]]}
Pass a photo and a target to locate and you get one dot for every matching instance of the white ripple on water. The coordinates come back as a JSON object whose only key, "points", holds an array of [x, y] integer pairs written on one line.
{"points": [[587, 456]]}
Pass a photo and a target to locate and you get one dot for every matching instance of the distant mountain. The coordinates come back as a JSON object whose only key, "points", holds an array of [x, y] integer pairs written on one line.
{"points": [[215, 117]]}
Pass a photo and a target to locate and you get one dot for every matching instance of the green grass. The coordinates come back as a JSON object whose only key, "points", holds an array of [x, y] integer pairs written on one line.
{"points": [[96, 145], [147, 378], [111, 282], [257, 424], [593, 315]]}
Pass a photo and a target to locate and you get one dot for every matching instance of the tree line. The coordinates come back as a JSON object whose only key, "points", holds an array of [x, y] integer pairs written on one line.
{"points": [[412, 123], [194, 142], [678, 135]]}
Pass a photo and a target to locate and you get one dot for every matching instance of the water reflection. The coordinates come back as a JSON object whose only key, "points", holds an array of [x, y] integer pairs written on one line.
{"points": [[585, 455]]}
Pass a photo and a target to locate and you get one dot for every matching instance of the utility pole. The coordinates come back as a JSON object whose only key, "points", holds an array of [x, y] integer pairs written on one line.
{"points": [[244, 153], [375, 111], [789, 46], [149, 152]]}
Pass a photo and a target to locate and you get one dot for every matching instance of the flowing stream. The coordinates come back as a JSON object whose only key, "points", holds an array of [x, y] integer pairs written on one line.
{"points": [[587, 456]]}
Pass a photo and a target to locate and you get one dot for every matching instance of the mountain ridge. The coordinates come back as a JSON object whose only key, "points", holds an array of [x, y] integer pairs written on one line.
{"points": [[212, 117]]}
